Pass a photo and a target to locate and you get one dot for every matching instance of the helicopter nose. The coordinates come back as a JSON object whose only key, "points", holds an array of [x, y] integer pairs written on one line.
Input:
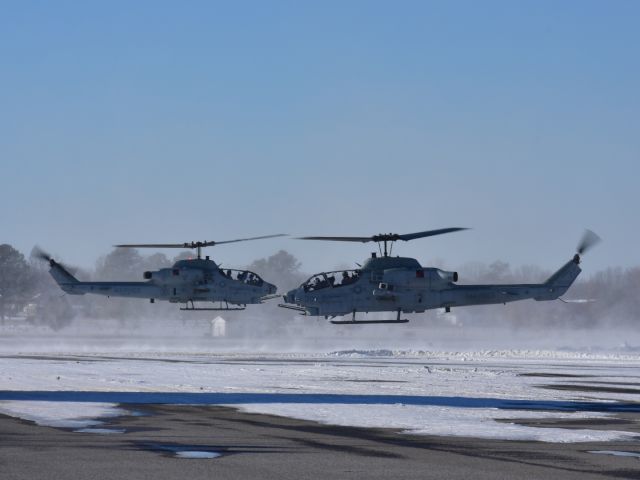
{"points": [[290, 296], [272, 289]]}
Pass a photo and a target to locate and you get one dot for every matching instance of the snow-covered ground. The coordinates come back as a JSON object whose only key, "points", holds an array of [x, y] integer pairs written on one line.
{"points": [[433, 393]]}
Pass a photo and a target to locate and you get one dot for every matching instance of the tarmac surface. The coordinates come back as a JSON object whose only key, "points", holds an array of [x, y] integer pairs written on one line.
{"points": [[149, 444]]}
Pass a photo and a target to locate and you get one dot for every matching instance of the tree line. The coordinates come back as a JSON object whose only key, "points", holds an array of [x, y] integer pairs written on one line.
{"points": [[27, 290]]}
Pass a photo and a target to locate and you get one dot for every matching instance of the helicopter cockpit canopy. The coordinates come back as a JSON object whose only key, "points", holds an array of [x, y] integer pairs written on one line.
{"points": [[338, 278], [244, 276]]}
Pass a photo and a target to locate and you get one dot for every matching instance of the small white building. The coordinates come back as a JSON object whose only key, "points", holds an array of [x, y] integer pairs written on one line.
{"points": [[218, 327]]}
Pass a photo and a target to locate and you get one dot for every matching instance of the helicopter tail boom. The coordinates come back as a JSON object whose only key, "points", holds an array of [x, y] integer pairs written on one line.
{"points": [[72, 286], [555, 286]]}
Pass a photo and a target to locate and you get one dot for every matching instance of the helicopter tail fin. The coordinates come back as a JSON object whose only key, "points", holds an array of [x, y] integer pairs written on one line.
{"points": [[60, 274], [564, 277]]}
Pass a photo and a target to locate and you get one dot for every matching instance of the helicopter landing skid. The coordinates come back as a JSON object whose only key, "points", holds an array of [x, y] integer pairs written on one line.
{"points": [[301, 310], [358, 322], [193, 308], [353, 320]]}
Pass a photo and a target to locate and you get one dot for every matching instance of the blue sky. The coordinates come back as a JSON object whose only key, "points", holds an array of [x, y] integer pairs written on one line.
{"points": [[176, 121]]}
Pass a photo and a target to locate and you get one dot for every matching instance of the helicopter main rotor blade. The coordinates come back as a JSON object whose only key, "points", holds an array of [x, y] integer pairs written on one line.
{"points": [[339, 239], [155, 245], [245, 239], [429, 233], [388, 237], [193, 244]]}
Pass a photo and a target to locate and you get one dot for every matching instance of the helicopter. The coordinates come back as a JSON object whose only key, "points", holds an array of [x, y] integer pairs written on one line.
{"points": [[187, 281], [401, 285]]}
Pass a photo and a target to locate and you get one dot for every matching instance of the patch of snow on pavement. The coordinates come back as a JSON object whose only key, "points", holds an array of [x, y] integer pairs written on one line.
{"points": [[61, 414], [427, 420], [439, 393]]}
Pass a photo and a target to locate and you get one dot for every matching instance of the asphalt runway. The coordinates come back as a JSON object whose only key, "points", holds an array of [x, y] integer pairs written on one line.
{"points": [[269, 447]]}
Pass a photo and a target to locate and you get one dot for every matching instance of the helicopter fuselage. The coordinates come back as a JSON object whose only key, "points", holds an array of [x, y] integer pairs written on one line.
{"points": [[196, 280], [400, 284]]}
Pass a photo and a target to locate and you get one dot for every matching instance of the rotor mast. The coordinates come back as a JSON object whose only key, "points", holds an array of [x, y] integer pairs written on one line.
{"points": [[198, 246], [385, 241], [385, 247]]}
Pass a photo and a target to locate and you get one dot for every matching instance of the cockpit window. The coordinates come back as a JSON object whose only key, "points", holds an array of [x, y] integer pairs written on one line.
{"points": [[244, 276], [348, 277], [338, 278]]}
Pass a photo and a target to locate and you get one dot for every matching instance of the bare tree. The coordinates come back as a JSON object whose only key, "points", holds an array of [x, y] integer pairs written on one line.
{"points": [[281, 268], [15, 281]]}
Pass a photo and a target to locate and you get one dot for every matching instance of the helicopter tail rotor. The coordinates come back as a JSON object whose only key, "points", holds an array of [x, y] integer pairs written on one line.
{"points": [[40, 254], [587, 242], [59, 271]]}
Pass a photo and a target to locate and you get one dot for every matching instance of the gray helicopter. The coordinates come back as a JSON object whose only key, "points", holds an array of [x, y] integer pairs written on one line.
{"points": [[187, 281], [400, 284]]}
